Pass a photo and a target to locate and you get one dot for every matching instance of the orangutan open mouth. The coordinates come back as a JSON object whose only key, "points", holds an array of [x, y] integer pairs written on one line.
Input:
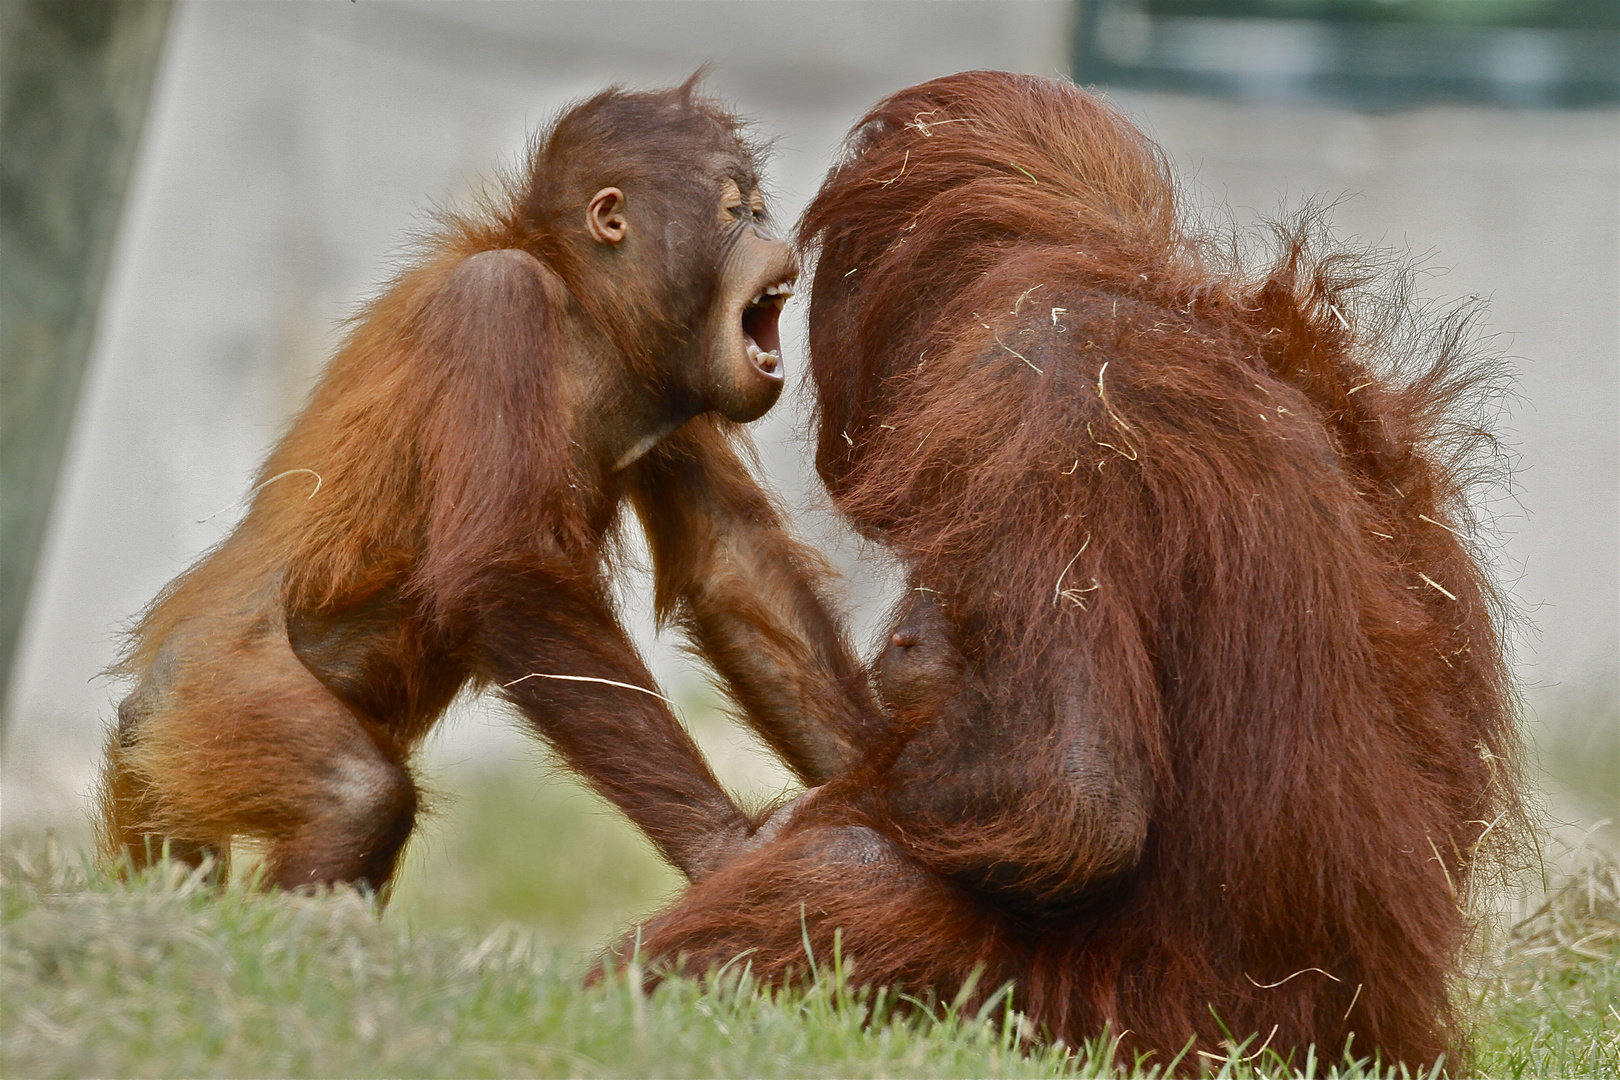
{"points": [[759, 319]]}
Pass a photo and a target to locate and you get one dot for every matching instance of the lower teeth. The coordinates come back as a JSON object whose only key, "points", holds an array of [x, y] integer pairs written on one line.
{"points": [[766, 361]]}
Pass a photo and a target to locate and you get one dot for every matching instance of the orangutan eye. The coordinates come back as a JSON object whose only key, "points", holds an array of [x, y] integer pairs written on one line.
{"points": [[731, 202]]}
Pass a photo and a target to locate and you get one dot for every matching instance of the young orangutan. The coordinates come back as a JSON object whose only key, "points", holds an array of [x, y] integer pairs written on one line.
{"points": [[440, 512]]}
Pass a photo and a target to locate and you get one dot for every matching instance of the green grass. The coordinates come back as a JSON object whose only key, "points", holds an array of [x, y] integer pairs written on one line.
{"points": [[515, 881], [475, 970], [166, 977], [1550, 1002], [522, 841], [525, 847]]}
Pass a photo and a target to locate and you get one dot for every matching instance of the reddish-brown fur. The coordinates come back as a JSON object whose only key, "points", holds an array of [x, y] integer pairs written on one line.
{"points": [[1210, 731], [441, 511]]}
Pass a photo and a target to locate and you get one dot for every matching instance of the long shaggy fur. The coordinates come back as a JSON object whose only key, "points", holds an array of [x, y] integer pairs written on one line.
{"points": [[1237, 501]]}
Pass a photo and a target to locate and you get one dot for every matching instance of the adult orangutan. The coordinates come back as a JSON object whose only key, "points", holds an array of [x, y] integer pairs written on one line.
{"points": [[1199, 721], [439, 514]]}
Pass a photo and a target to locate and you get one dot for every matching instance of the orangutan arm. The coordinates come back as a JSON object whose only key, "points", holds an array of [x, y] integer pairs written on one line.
{"points": [[1035, 799], [749, 596]]}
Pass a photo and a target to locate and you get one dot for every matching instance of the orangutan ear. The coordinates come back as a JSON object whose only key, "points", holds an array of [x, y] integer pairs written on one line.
{"points": [[605, 216]]}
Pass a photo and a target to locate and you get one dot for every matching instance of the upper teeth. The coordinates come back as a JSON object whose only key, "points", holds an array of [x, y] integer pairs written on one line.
{"points": [[782, 290]]}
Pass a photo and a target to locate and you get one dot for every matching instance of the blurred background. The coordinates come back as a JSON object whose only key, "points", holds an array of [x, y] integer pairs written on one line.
{"points": [[194, 196]]}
